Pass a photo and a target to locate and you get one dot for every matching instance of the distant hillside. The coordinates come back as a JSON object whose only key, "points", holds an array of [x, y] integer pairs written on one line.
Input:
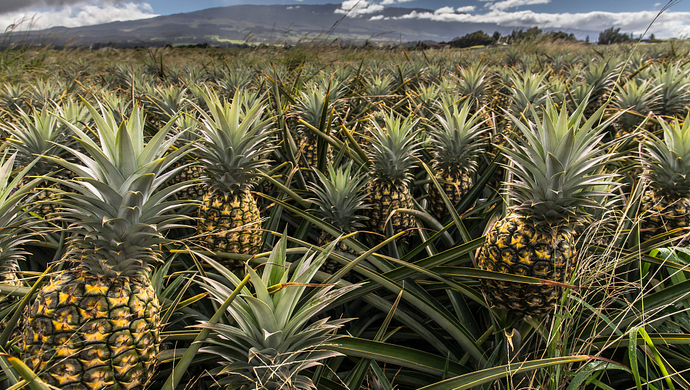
{"points": [[271, 24]]}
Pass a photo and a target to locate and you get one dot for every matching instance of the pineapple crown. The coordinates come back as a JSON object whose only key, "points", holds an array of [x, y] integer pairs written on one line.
{"points": [[273, 338], [666, 161], [638, 97], [35, 135], [457, 142], [557, 169], [315, 105], [340, 197], [235, 140], [118, 204], [393, 148], [15, 220], [673, 81]]}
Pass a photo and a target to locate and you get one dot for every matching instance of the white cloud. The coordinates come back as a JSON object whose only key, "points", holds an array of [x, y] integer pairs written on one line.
{"points": [[669, 24], [81, 14], [467, 8], [508, 4], [445, 10], [355, 8]]}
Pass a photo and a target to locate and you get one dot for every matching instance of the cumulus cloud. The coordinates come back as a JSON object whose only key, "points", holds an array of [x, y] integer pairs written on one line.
{"points": [[75, 15], [508, 4], [669, 24], [467, 8], [355, 8]]}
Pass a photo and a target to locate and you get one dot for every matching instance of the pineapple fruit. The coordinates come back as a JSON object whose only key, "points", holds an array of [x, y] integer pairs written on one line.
{"points": [[665, 204], [392, 151], [235, 139], [455, 145], [554, 171], [96, 324]]}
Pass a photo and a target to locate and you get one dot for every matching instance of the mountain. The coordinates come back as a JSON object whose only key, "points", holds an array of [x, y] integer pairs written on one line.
{"points": [[285, 24]]}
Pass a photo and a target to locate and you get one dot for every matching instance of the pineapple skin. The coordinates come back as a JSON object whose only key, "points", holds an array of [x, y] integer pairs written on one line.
{"points": [[190, 172], [662, 214], [87, 333], [514, 247], [229, 223], [455, 186], [331, 266], [384, 199]]}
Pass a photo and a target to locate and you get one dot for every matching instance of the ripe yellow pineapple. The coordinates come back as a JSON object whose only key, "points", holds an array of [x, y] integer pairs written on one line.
{"points": [[455, 146], [555, 171], [96, 324], [392, 151], [235, 139]]}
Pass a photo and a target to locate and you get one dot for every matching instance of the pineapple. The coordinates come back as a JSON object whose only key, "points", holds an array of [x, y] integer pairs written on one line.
{"points": [[314, 107], [340, 201], [34, 134], [673, 82], [186, 125], [455, 146], [473, 83], [14, 223], [96, 324], [274, 338], [235, 139], [639, 99], [666, 162], [392, 152], [554, 174]]}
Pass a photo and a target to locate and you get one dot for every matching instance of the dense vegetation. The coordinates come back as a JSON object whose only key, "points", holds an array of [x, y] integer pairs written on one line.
{"points": [[495, 218]]}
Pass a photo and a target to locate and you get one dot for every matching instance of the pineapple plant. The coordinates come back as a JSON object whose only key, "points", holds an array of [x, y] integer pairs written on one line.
{"points": [[640, 99], [275, 336], [34, 134], [235, 140], [555, 171], [96, 324], [392, 151], [455, 145], [14, 223], [673, 81], [340, 201], [314, 107], [473, 82], [665, 204]]}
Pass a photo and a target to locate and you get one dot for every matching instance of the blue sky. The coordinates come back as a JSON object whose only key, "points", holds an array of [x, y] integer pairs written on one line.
{"points": [[595, 15]]}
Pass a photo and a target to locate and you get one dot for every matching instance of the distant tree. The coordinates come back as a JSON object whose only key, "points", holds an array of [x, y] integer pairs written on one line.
{"points": [[587, 39], [496, 36], [476, 38], [652, 37], [612, 35]]}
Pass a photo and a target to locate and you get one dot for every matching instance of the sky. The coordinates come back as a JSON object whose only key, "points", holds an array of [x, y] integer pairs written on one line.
{"points": [[632, 16]]}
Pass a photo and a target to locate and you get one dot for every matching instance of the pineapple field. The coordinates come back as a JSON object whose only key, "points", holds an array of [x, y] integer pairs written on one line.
{"points": [[319, 217]]}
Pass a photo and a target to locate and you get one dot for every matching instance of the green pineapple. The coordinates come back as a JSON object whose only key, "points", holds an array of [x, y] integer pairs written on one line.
{"points": [[235, 139], [392, 151], [554, 173], [96, 324], [666, 162], [276, 335], [455, 146], [340, 201]]}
